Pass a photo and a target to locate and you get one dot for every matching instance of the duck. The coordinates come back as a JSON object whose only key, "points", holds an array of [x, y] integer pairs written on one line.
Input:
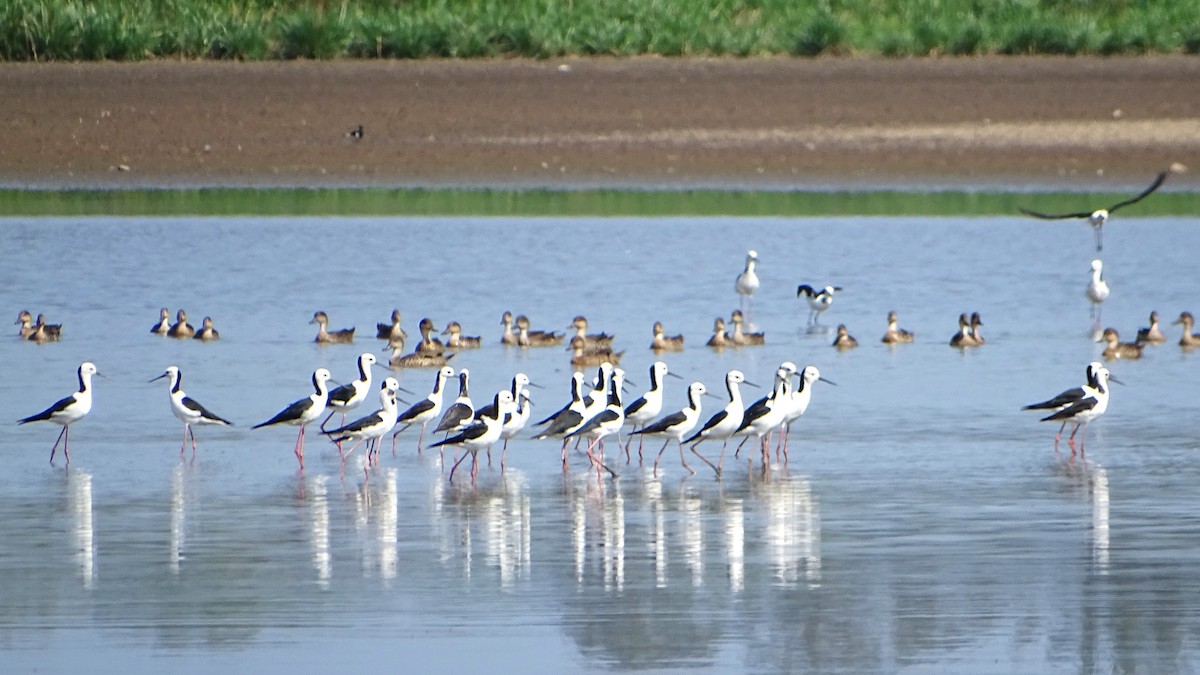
{"points": [[458, 341], [1115, 349], [207, 332], [539, 338], [1152, 334], [664, 343], [164, 322], [894, 334], [325, 336], [429, 344], [507, 336], [964, 337], [593, 340], [582, 356], [844, 339], [718, 340], [181, 329], [45, 332], [25, 321], [976, 322], [391, 331], [741, 338], [1189, 339], [399, 359]]}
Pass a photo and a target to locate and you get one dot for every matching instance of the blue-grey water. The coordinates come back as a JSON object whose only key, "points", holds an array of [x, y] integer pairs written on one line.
{"points": [[923, 523]]}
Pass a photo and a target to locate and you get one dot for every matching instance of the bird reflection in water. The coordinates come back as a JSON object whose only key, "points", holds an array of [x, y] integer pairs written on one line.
{"points": [[598, 524], [498, 515], [178, 516], [735, 543], [376, 509], [1091, 480], [691, 525], [653, 496], [79, 501], [793, 530], [318, 528]]}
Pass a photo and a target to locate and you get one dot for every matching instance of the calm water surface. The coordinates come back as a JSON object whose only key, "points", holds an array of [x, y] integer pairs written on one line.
{"points": [[923, 523]]}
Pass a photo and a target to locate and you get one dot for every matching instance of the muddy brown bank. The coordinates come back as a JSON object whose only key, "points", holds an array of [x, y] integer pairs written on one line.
{"points": [[775, 123]]}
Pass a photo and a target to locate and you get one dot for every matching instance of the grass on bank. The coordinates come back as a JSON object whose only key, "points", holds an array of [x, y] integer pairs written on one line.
{"points": [[564, 203], [73, 30]]}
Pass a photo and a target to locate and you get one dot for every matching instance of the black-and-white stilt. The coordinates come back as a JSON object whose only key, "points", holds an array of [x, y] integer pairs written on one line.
{"points": [[747, 284], [723, 425], [568, 419], [1099, 217], [1086, 409], [371, 428], [187, 409], [348, 396], [678, 424], [1097, 292], [603, 424], [647, 406], [818, 300], [68, 410], [480, 434], [1069, 396], [306, 410], [425, 411], [800, 399], [458, 415], [767, 413]]}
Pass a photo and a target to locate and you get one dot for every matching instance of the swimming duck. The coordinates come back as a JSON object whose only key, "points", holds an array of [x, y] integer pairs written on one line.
{"points": [[664, 343], [964, 337], [25, 321], [741, 338], [582, 356], [1115, 349], [1189, 339], [1151, 334], [580, 324], [894, 334], [457, 340], [45, 332], [844, 339], [429, 344], [207, 332], [718, 340], [399, 359], [976, 322], [325, 336], [164, 322], [181, 328], [539, 338], [391, 331], [507, 336]]}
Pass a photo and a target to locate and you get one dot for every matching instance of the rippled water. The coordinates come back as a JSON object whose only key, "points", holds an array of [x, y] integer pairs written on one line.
{"points": [[923, 523]]}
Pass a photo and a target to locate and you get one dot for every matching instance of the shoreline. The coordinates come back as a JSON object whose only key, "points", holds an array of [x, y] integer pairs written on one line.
{"points": [[1025, 123]]}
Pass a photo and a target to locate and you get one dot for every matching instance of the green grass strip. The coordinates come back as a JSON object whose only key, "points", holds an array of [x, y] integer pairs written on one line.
{"points": [[419, 202], [71, 30]]}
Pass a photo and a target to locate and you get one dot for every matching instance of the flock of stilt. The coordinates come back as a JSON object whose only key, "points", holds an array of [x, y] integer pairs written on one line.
{"points": [[597, 413]]}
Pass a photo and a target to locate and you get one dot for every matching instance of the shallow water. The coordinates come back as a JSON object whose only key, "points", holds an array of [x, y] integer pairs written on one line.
{"points": [[922, 524]]}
